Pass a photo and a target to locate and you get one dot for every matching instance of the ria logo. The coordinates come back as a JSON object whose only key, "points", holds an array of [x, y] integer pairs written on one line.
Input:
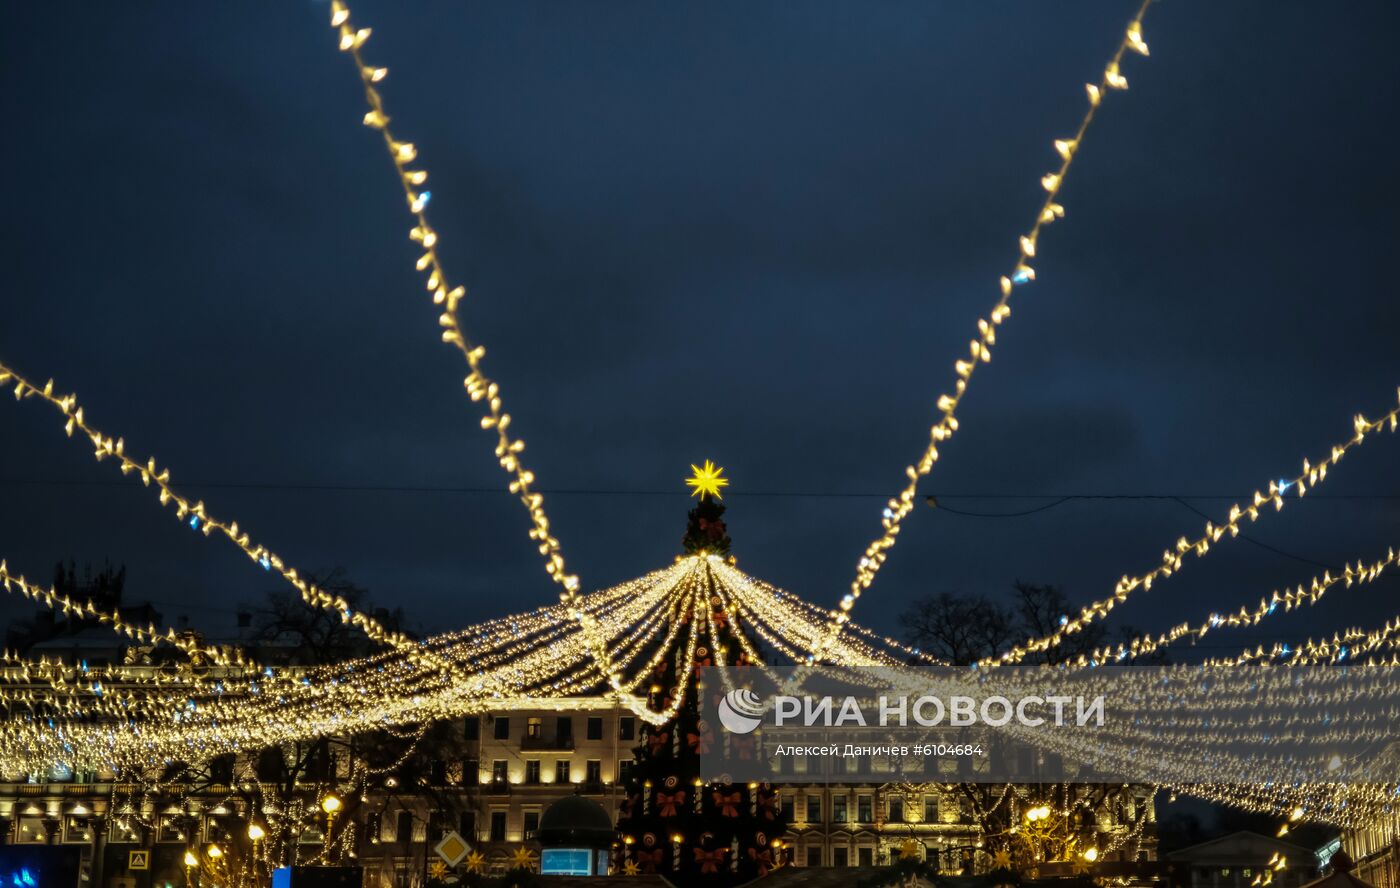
{"points": [[741, 711]]}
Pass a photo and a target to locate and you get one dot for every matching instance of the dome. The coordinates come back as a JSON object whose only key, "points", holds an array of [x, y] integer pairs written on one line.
{"points": [[576, 820]]}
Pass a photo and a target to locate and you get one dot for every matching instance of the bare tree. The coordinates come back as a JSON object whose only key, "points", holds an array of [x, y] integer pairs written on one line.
{"points": [[315, 635], [959, 630], [965, 629]]}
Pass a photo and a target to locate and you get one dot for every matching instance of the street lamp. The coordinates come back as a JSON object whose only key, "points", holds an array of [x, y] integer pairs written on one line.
{"points": [[190, 863], [255, 834], [331, 805]]}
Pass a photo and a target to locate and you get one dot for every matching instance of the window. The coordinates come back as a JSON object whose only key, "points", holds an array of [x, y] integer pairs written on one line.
{"points": [[565, 730], [125, 831], [532, 771], [498, 826], [373, 827], [930, 809], [897, 809], [864, 809], [865, 856], [840, 857], [172, 828], [216, 830], [30, 831], [502, 727], [787, 806], [814, 809], [471, 772], [471, 728], [624, 770], [838, 810], [437, 772], [403, 827], [594, 771], [498, 771], [437, 827], [595, 727], [532, 823], [627, 728], [76, 829], [561, 771], [814, 856], [534, 727], [466, 826]]}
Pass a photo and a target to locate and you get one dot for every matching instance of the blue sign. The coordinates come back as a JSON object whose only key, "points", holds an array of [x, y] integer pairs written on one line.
{"points": [[567, 862]]}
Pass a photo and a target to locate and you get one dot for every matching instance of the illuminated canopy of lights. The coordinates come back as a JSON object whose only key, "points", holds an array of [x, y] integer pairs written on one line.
{"points": [[539, 658]]}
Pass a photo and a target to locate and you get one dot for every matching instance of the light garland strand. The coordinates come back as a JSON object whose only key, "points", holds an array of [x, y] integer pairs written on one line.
{"points": [[1311, 475], [479, 386], [980, 349], [1285, 600], [199, 519]]}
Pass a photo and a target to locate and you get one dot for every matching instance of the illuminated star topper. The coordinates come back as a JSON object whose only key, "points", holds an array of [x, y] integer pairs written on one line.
{"points": [[707, 480]]}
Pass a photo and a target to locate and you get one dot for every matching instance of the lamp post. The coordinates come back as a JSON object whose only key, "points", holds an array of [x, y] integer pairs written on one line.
{"points": [[331, 805], [255, 834], [190, 863]]}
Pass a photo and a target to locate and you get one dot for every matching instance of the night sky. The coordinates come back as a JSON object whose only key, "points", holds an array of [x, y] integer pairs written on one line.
{"points": [[753, 232]]}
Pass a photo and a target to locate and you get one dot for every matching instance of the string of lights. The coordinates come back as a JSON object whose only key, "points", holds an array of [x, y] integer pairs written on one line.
{"points": [[479, 386], [199, 519], [399, 692], [1279, 601], [980, 348], [1313, 473]]}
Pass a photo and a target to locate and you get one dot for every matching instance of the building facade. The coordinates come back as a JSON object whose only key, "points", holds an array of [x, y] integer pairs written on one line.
{"points": [[1242, 860], [514, 765], [1375, 851]]}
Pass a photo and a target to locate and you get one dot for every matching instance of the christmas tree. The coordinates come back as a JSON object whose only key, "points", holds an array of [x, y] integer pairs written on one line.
{"points": [[672, 821], [705, 533]]}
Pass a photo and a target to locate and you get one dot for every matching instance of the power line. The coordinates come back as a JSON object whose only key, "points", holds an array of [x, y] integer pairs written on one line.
{"points": [[335, 487], [1263, 545], [933, 501]]}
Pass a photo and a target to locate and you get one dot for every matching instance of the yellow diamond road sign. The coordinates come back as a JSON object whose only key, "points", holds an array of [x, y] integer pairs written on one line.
{"points": [[452, 848]]}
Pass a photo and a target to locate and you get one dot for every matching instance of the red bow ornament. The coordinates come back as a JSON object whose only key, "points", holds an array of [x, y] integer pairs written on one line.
{"points": [[728, 803], [763, 859], [710, 861], [649, 860], [666, 802]]}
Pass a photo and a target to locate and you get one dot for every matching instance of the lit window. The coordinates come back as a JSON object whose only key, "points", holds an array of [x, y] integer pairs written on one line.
{"points": [[30, 831]]}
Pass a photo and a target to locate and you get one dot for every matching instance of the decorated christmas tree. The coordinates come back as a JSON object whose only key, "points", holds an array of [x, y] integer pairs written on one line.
{"points": [[672, 821]]}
